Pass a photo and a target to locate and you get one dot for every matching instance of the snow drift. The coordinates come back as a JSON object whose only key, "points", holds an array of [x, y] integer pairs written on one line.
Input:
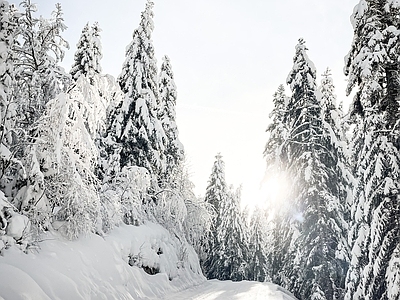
{"points": [[94, 267]]}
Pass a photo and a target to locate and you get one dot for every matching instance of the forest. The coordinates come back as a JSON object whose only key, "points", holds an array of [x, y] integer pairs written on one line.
{"points": [[85, 154]]}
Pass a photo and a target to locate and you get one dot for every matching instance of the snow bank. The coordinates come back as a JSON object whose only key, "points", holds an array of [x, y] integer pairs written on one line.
{"points": [[100, 268]]}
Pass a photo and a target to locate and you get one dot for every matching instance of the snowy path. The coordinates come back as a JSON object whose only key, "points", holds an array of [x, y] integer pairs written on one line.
{"points": [[219, 290]]}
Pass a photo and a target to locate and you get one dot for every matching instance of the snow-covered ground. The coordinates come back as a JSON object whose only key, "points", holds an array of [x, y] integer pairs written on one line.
{"points": [[97, 267], [215, 289]]}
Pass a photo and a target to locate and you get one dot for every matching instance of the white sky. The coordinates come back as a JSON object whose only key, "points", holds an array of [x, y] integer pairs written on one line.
{"points": [[228, 58]]}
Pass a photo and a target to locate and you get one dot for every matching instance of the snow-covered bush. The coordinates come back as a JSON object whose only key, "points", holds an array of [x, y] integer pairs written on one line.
{"points": [[67, 156], [123, 197], [14, 227]]}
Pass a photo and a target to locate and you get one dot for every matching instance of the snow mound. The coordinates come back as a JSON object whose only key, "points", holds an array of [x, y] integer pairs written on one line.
{"points": [[101, 268]]}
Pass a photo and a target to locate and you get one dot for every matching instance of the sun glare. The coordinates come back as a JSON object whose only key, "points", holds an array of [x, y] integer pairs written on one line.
{"points": [[273, 192]]}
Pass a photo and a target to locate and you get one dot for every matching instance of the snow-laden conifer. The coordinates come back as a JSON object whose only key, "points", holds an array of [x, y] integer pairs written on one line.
{"points": [[166, 113], [317, 213], [372, 68], [276, 159], [88, 54], [226, 247], [231, 247], [258, 269], [277, 131], [133, 122], [216, 194]]}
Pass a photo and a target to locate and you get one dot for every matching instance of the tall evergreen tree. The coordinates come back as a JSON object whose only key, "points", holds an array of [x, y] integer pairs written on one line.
{"points": [[372, 67], [276, 159], [311, 267], [133, 122], [99, 90], [167, 116]]}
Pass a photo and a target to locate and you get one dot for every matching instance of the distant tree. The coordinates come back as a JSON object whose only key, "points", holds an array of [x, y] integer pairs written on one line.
{"points": [[231, 247], [217, 189], [133, 126], [88, 54], [199, 219], [226, 246], [258, 260], [216, 194]]}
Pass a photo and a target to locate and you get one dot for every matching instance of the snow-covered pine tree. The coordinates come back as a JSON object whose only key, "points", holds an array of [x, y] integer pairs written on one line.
{"points": [[372, 67], [276, 159], [88, 54], [217, 189], [258, 261], [315, 271], [133, 123], [99, 90], [335, 127], [216, 194], [167, 116], [231, 247], [277, 131]]}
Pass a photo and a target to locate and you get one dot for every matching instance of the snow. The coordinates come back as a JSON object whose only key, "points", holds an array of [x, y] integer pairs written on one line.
{"points": [[95, 267], [18, 226], [215, 289], [98, 268]]}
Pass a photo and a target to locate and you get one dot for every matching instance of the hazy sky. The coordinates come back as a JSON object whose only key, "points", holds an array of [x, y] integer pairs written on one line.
{"points": [[228, 58]]}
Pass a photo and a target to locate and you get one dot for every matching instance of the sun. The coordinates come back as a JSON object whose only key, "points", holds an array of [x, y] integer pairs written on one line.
{"points": [[273, 192]]}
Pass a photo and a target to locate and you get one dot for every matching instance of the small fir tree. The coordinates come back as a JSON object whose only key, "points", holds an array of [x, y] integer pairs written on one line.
{"points": [[258, 261], [216, 194], [88, 54], [231, 247]]}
